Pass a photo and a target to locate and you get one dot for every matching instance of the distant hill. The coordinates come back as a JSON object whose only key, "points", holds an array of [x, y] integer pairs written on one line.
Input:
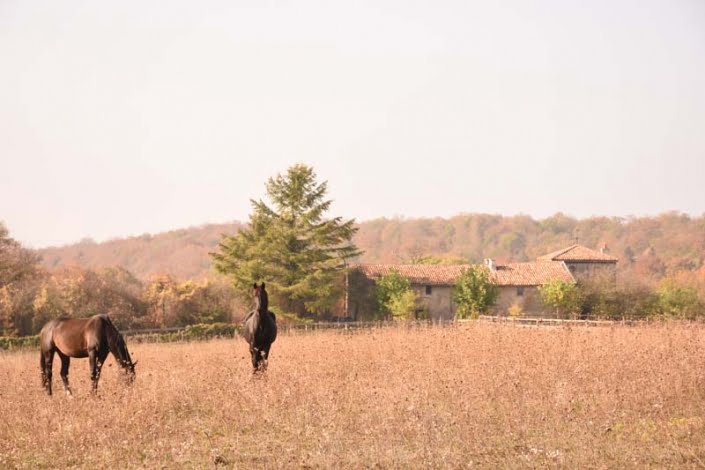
{"points": [[183, 252], [649, 247]]}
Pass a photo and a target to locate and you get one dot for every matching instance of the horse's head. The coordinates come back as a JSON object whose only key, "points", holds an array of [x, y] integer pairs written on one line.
{"points": [[127, 364], [261, 297]]}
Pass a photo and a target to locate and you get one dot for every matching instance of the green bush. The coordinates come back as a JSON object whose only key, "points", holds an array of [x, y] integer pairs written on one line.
{"points": [[678, 301], [197, 332], [474, 293], [609, 302], [563, 297], [22, 342], [395, 297]]}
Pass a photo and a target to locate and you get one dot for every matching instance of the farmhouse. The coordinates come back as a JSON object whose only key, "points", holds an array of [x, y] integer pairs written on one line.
{"points": [[585, 263], [518, 283]]}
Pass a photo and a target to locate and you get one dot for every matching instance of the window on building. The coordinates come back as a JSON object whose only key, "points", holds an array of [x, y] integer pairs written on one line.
{"points": [[520, 291], [428, 290]]}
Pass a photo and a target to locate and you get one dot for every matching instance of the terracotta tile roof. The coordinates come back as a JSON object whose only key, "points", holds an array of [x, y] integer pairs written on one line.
{"points": [[429, 274], [579, 253], [531, 274], [511, 274]]}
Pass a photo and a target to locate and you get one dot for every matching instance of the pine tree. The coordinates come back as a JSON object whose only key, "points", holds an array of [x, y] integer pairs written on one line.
{"points": [[291, 246]]}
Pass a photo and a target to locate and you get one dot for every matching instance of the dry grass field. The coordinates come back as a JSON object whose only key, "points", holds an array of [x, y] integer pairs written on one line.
{"points": [[477, 395]]}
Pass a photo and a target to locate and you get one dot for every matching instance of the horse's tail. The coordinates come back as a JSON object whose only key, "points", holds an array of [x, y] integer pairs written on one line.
{"points": [[273, 327], [46, 336]]}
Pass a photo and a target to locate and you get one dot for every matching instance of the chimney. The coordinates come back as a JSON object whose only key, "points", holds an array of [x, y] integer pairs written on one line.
{"points": [[489, 262], [604, 249]]}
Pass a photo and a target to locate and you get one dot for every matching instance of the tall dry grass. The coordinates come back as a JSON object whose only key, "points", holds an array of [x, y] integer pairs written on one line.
{"points": [[477, 395]]}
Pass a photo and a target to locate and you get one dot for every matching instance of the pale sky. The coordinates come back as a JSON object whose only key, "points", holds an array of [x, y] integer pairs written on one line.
{"points": [[120, 118]]}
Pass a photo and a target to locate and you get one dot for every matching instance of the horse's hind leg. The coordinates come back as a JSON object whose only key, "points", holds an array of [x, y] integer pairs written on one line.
{"points": [[95, 368], [65, 362], [43, 368], [47, 362]]}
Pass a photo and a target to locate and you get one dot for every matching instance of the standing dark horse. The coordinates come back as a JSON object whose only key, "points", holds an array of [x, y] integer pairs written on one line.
{"points": [[91, 337], [260, 329]]}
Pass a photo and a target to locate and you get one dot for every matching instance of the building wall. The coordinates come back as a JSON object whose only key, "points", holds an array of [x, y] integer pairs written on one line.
{"points": [[529, 302], [361, 300], [439, 304], [362, 304], [593, 271]]}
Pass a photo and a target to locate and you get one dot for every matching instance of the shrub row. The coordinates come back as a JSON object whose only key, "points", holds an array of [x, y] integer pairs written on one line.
{"points": [[197, 332], [10, 343], [190, 333]]}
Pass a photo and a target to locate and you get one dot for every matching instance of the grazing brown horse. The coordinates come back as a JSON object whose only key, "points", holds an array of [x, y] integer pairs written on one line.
{"points": [[92, 337], [260, 329]]}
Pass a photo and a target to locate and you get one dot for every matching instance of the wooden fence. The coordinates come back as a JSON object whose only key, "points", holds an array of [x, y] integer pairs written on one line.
{"points": [[205, 332]]}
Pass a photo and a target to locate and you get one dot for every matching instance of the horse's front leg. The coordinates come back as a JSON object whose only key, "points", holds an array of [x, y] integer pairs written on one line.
{"points": [[65, 362], [265, 356]]}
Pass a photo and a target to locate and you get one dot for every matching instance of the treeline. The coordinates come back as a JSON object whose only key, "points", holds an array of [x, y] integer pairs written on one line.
{"points": [[31, 295], [80, 280], [649, 248], [182, 253]]}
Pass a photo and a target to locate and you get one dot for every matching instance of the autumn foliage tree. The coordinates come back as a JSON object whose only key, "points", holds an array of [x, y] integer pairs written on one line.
{"points": [[77, 292], [173, 303], [18, 271], [292, 245]]}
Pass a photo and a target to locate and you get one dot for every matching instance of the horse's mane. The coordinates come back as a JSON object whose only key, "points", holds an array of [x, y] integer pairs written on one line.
{"points": [[264, 300], [116, 342]]}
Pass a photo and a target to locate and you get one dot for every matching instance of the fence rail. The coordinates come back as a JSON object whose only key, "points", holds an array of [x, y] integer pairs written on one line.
{"points": [[205, 332], [537, 321], [152, 331], [532, 321]]}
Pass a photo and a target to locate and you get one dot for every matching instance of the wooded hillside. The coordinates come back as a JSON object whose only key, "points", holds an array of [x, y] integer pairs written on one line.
{"points": [[648, 247], [182, 253]]}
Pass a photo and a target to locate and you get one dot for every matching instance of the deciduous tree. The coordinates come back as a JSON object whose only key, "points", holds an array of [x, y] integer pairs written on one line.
{"points": [[474, 292], [675, 299], [18, 271], [562, 296], [395, 297]]}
